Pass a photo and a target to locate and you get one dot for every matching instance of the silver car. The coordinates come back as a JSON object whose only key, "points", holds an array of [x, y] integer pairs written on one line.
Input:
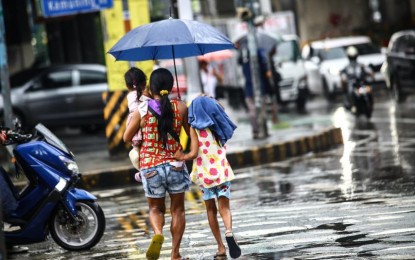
{"points": [[65, 95]]}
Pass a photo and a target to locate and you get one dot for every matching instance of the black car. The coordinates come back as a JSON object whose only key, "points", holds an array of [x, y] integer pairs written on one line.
{"points": [[400, 64], [64, 95]]}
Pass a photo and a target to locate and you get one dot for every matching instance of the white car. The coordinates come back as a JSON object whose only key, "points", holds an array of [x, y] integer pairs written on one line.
{"points": [[326, 58], [289, 64]]}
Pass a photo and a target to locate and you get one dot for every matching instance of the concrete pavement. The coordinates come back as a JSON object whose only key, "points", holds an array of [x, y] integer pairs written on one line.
{"points": [[294, 136]]}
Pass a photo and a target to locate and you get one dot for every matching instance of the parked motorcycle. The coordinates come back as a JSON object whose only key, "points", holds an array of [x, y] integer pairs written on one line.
{"points": [[49, 203]]}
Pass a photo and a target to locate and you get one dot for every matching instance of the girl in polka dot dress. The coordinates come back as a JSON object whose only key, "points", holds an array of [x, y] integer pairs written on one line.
{"points": [[210, 129]]}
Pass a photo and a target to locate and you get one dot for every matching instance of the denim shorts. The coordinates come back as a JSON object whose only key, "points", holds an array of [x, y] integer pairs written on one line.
{"points": [[164, 178], [223, 189]]}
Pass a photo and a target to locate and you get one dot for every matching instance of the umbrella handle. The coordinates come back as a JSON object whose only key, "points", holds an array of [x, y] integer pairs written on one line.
{"points": [[175, 73]]}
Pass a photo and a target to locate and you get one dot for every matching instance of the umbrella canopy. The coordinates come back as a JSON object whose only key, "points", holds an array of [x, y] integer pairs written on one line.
{"points": [[266, 41], [216, 56], [169, 39]]}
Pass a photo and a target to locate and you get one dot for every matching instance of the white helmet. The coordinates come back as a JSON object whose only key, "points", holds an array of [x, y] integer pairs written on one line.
{"points": [[352, 53]]}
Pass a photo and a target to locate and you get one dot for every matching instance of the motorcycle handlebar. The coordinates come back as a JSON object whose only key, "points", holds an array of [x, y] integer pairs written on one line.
{"points": [[15, 137]]}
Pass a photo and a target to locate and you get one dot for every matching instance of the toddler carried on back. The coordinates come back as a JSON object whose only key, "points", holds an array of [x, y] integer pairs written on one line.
{"points": [[137, 98]]}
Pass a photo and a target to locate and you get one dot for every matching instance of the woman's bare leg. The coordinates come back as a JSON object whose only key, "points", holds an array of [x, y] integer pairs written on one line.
{"points": [[178, 223], [157, 210]]}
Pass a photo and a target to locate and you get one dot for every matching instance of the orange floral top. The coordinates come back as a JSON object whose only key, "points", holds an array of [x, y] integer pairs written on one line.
{"points": [[152, 152]]}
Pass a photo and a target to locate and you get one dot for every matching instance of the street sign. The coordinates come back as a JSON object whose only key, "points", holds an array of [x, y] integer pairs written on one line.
{"points": [[278, 23], [52, 8]]}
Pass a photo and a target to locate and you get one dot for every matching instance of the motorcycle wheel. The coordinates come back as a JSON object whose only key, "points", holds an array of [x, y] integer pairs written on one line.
{"points": [[82, 234], [368, 106]]}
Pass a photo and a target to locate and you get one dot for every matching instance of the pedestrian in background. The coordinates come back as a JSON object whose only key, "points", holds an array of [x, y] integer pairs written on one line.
{"points": [[160, 171], [266, 88], [137, 97], [210, 78], [210, 128]]}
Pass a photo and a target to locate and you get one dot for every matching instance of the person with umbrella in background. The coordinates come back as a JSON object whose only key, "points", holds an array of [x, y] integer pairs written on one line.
{"points": [[210, 78], [160, 171], [265, 49]]}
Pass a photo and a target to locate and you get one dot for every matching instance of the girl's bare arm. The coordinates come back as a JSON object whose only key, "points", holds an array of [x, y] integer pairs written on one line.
{"points": [[194, 148], [183, 113], [133, 127]]}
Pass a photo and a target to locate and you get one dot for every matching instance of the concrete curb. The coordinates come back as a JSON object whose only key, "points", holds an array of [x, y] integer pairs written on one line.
{"points": [[322, 141]]}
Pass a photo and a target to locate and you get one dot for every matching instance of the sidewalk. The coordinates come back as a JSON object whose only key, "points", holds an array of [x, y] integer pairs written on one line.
{"points": [[294, 136]]}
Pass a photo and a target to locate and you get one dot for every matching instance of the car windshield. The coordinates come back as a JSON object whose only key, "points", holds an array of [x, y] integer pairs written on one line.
{"points": [[340, 52], [20, 78], [286, 51], [367, 48], [331, 54]]}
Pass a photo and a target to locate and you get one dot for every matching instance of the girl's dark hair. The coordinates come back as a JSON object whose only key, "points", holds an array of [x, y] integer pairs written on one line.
{"points": [[162, 79], [135, 77]]}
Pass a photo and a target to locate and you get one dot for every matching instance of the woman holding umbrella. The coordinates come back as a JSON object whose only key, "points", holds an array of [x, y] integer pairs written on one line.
{"points": [[160, 171]]}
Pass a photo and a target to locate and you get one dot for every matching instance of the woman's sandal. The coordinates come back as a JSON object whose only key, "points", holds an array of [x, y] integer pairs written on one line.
{"points": [[220, 256], [234, 249], [153, 251]]}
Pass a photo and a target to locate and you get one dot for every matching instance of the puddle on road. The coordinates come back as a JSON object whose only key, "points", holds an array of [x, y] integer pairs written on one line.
{"points": [[356, 241], [335, 226], [323, 177], [351, 239]]}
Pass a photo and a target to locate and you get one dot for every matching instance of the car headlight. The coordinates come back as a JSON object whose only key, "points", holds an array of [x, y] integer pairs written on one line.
{"points": [[334, 71], [61, 184], [71, 165]]}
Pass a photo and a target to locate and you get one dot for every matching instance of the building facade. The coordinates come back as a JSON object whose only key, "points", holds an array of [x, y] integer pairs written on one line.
{"points": [[32, 39]]}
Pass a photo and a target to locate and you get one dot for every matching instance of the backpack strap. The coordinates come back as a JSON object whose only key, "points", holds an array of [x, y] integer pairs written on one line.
{"points": [[172, 133]]}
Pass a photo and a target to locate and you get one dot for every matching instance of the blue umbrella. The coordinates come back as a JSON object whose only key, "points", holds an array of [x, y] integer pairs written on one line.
{"points": [[169, 39]]}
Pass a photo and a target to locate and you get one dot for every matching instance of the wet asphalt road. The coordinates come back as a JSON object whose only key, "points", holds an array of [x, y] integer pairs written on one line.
{"points": [[354, 202]]}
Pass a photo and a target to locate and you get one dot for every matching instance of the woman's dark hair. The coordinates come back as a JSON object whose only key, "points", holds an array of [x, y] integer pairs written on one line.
{"points": [[135, 79], [162, 79]]}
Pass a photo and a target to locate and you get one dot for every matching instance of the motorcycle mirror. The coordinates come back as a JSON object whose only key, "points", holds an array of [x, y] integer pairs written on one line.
{"points": [[17, 124]]}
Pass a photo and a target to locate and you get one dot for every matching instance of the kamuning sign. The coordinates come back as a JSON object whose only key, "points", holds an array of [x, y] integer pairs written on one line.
{"points": [[67, 7]]}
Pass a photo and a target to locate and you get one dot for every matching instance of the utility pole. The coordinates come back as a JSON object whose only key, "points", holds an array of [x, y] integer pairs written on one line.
{"points": [[194, 86], [5, 89], [253, 8], [4, 77], [4, 74]]}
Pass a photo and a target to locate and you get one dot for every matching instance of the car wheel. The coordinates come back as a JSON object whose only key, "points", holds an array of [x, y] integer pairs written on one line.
{"points": [[302, 100], [326, 91], [396, 90]]}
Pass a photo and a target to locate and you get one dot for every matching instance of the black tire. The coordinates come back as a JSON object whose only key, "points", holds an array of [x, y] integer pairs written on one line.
{"points": [[368, 106], [63, 230], [397, 91], [326, 92], [302, 100]]}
